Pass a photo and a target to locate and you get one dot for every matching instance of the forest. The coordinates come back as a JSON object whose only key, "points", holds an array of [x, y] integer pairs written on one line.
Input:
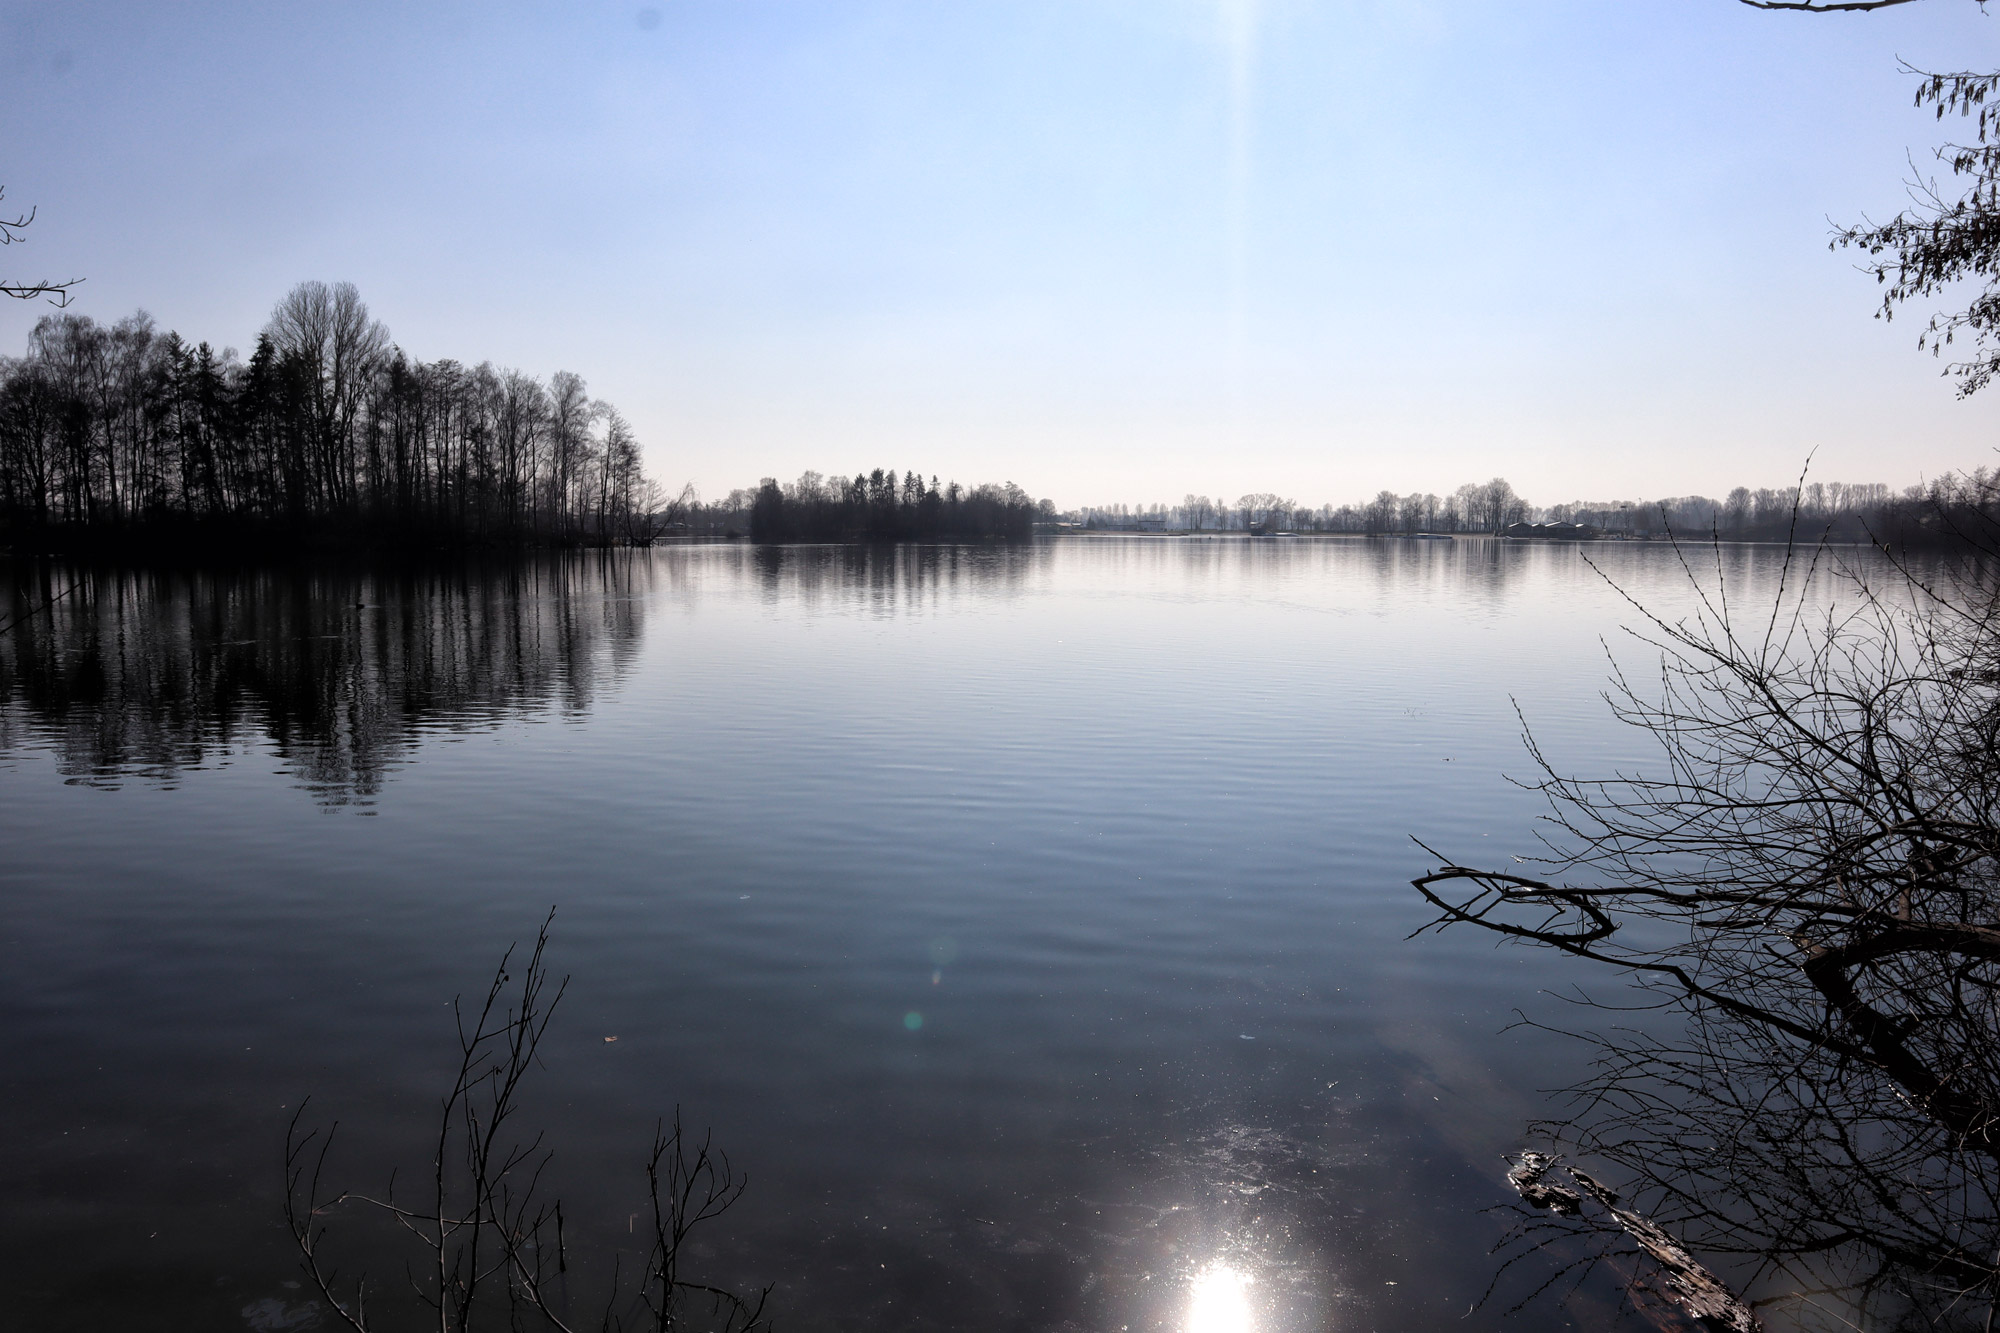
{"points": [[328, 432]]}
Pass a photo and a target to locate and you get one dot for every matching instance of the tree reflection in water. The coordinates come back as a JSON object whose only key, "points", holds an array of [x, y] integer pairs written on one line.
{"points": [[339, 671], [1803, 887]]}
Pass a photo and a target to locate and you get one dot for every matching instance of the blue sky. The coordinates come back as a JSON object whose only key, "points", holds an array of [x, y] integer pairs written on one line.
{"points": [[1108, 249]]}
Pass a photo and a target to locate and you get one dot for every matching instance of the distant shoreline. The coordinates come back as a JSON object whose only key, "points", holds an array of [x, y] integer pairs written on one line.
{"points": [[276, 544], [1648, 539]]}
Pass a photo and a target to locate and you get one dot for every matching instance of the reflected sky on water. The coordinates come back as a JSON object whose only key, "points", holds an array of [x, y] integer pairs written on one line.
{"points": [[1028, 922]]}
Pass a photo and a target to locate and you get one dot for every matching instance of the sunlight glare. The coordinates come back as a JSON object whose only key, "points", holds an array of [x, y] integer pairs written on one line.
{"points": [[1218, 1303]]}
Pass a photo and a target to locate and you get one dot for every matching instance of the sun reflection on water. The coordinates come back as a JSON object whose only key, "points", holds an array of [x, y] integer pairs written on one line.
{"points": [[1217, 1302]]}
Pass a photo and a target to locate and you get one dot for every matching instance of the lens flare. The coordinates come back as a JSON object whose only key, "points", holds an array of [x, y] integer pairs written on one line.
{"points": [[1217, 1302]]}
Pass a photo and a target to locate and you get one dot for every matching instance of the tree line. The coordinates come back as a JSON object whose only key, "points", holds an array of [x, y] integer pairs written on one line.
{"points": [[877, 506], [1474, 507], [1837, 511], [327, 427]]}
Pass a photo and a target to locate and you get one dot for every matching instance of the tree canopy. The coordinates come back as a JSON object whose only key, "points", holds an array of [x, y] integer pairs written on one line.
{"points": [[328, 426], [1939, 242]]}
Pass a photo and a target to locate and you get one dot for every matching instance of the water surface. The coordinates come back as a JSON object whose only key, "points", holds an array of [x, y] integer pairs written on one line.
{"points": [[1028, 922]]}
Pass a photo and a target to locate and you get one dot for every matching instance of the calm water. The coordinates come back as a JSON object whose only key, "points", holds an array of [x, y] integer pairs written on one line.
{"points": [[1029, 924]]}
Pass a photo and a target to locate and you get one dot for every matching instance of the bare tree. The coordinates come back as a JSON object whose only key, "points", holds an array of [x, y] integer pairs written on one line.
{"points": [[1807, 879], [1382, 511], [1413, 510], [618, 474], [1498, 505], [655, 514], [1263, 511], [326, 332], [570, 417], [1465, 507]]}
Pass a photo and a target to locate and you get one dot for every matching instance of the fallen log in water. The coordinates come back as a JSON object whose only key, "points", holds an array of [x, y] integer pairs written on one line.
{"points": [[1699, 1292]]}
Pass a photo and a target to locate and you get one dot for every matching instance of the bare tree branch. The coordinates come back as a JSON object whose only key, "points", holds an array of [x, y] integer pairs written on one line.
{"points": [[1823, 7], [12, 232], [484, 1227]]}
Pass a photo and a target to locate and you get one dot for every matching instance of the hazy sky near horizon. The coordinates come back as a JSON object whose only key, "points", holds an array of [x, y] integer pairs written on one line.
{"points": [[1108, 249]]}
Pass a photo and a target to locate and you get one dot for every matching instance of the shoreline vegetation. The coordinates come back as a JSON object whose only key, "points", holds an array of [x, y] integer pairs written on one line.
{"points": [[124, 438], [879, 507], [1939, 512], [124, 441]]}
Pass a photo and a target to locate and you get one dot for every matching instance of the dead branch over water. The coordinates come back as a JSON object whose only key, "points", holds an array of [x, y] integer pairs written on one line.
{"points": [[1696, 1290]]}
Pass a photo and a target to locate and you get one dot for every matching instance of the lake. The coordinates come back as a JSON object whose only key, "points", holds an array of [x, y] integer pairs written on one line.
{"points": [[1028, 923]]}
